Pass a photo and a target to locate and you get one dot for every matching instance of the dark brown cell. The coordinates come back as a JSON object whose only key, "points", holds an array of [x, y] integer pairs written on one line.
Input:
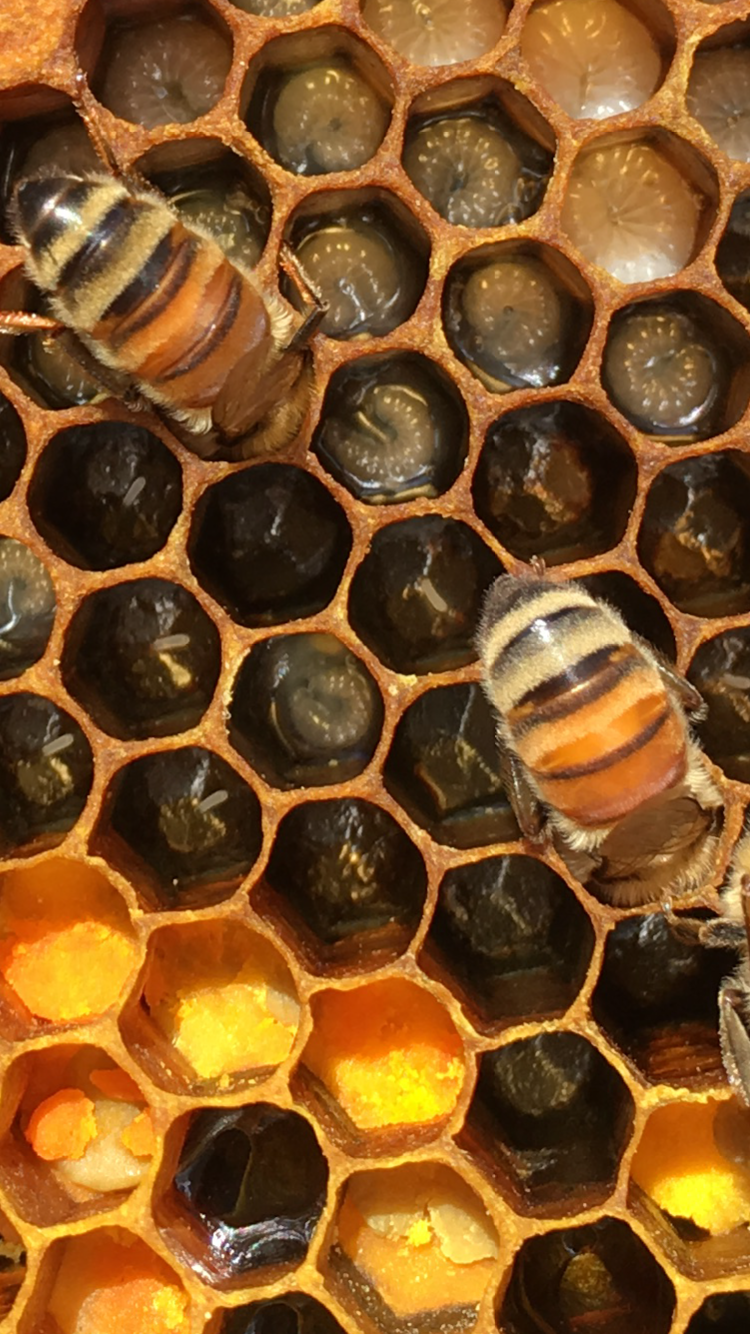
{"points": [[721, 671], [657, 999], [555, 480], [511, 938], [270, 544], [517, 315], [305, 711], [247, 1194], [347, 879], [183, 825], [291, 1313], [599, 1277], [12, 447], [27, 608], [722, 1313], [392, 428], [416, 597], [106, 495], [695, 535], [444, 769], [46, 771], [732, 260], [640, 611], [143, 658], [367, 259], [549, 1120]]}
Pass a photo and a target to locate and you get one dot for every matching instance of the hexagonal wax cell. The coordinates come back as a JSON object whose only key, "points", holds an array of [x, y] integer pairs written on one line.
{"points": [[718, 96], [388, 1053], [12, 447], [106, 494], [222, 997], [414, 1241], [27, 607], [249, 1189], [46, 771], [600, 1274], [87, 1127], [110, 1279], [629, 210], [157, 71], [593, 60], [437, 33], [66, 943], [693, 1161], [553, 1117], [721, 671], [289, 1313]]}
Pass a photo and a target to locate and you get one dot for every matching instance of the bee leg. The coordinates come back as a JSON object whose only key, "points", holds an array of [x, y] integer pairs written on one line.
{"points": [[315, 306], [734, 1037], [17, 322], [526, 805], [85, 105]]}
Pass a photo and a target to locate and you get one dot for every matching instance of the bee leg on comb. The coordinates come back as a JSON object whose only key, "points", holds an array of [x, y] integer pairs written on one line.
{"points": [[526, 806], [315, 306], [88, 109], [16, 322]]}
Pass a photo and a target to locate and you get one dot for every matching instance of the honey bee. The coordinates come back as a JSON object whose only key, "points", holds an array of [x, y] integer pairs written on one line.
{"points": [[594, 739], [155, 310], [732, 931]]}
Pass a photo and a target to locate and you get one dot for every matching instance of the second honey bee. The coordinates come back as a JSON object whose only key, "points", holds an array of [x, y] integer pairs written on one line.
{"points": [[152, 307], [732, 931], [595, 742]]}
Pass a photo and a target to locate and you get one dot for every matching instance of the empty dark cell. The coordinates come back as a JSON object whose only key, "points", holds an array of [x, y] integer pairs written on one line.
{"points": [[443, 767], [365, 264], [721, 671], [270, 544], [392, 428], [732, 256], [417, 595], [105, 495], [143, 658], [599, 1277], [513, 935], [477, 167], [305, 710], [252, 1183], [640, 612], [295, 1314], [554, 1113], [722, 1313], [664, 371], [695, 535], [12, 447], [190, 819], [657, 995], [46, 771], [27, 608], [555, 480], [512, 320], [347, 869]]}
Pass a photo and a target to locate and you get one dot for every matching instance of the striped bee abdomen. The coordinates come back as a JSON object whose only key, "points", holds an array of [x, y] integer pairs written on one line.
{"points": [[151, 298], [581, 704]]}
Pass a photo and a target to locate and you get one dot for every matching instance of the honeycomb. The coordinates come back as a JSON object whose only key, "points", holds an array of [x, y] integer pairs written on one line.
{"points": [[297, 1036]]}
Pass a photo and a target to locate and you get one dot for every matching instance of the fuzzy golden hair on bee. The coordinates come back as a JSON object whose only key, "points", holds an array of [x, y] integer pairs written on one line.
{"points": [[157, 307], [595, 743]]}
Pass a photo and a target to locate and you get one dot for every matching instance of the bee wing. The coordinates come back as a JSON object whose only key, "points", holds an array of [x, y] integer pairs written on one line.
{"points": [[652, 836], [252, 389]]}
